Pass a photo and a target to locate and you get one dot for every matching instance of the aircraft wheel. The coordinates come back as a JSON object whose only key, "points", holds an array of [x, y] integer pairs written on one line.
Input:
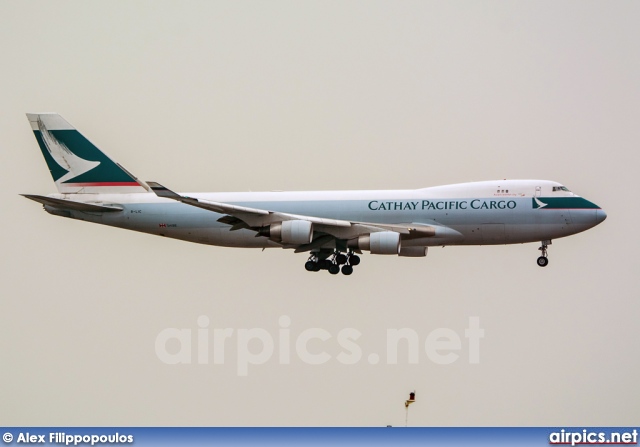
{"points": [[347, 270], [543, 261], [341, 259], [311, 266], [334, 269], [324, 264], [354, 259]]}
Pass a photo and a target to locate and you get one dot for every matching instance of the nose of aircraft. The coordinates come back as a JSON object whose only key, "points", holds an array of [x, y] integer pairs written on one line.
{"points": [[600, 216]]}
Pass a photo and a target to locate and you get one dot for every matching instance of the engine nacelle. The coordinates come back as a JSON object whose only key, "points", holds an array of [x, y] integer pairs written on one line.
{"points": [[295, 232], [381, 243], [413, 252]]}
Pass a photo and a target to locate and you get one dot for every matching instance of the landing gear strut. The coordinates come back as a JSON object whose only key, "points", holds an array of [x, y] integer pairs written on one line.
{"points": [[332, 262], [543, 261]]}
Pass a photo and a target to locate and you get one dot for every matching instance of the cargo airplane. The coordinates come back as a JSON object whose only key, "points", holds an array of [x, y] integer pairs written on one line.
{"points": [[333, 227]]}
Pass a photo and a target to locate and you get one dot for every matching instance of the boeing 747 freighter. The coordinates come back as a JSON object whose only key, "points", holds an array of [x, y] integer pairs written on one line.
{"points": [[333, 227]]}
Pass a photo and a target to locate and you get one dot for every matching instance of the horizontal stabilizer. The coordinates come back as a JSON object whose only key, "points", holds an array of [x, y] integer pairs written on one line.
{"points": [[73, 205]]}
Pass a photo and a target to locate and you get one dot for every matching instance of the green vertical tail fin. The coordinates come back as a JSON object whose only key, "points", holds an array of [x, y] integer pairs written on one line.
{"points": [[76, 165]]}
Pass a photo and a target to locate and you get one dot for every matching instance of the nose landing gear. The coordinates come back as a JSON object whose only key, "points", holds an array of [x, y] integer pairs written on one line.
{"points": [[543, 261]]}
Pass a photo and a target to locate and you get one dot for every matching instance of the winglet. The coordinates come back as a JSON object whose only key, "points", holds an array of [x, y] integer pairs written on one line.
{"points": [[162, 191]]}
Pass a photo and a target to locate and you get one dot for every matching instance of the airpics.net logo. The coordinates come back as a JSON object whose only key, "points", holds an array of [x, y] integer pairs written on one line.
{"points": [[252, 347], [593, 437]]}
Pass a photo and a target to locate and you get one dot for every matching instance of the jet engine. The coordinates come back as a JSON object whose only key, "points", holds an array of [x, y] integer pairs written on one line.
{"points": [[381, 243], [295, 232]]}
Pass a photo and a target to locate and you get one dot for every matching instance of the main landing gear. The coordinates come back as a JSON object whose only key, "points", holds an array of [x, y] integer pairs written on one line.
{"points": [[333, 262], [543, 261]]}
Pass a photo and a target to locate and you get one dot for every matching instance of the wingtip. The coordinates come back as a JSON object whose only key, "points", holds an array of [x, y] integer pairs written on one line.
{"points": [[162, 191]]}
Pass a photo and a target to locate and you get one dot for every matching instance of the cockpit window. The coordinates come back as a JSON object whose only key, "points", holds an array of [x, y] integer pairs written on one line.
{"points": [[561, 188]]}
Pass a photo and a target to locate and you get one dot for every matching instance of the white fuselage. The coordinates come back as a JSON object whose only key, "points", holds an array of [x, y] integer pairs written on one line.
{"points": [[479, 213]]}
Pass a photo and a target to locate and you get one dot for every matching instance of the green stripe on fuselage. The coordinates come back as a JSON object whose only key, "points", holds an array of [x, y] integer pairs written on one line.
{"points": [[554, 203]]}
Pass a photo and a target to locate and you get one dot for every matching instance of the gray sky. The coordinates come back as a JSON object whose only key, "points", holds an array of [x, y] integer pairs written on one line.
{"points": [[237, 96]]}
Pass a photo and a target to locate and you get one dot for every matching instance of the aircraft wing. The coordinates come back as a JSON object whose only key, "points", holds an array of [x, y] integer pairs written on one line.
{"points": [[244, 217], [254, 217]]}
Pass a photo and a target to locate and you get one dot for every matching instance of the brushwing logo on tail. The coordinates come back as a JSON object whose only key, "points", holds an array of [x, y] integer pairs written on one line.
{"points": [[61, 154], [537, 204]]}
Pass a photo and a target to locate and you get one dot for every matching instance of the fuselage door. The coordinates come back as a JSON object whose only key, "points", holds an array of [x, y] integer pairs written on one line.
{"points": [[538, 191]]}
